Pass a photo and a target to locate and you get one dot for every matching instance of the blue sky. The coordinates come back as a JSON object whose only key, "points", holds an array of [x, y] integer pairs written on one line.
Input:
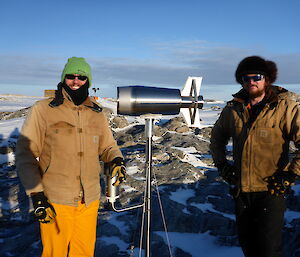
{"points": [[152, 43]]}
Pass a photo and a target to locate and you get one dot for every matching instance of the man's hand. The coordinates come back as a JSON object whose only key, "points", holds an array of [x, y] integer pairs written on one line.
{"points": [[43, 209], [118, 168], [280, 182], [228, 173]]}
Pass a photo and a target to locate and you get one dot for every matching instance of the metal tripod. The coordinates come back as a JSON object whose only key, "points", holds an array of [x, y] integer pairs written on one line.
{"points": [[112, 191], [148, 168]]}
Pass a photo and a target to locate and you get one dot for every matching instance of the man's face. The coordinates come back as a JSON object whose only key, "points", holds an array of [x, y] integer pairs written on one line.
{"points": [[254, 84], [75, 81]]}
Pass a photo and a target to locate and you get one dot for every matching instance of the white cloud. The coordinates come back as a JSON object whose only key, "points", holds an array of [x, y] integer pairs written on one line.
{"points": [[169, 65]]}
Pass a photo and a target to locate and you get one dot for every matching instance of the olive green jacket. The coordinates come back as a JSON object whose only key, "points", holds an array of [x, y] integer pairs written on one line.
{"points": [[59, 149], [262, 148]]}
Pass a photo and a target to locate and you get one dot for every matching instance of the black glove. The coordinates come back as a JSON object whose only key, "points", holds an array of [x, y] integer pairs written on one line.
{"points": [[228, 173], [43, 209], [118, 168], [280, 182]]}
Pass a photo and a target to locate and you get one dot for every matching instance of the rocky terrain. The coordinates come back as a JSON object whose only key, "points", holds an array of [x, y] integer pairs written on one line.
{"points": [[195, 199]]}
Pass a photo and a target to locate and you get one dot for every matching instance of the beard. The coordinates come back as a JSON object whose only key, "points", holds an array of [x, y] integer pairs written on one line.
{"points": [[257, 92]]}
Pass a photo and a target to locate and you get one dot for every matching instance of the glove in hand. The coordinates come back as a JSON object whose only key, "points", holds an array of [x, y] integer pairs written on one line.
{"points": [[43, 209], [228, 173], [280, 182], [118, 169]]}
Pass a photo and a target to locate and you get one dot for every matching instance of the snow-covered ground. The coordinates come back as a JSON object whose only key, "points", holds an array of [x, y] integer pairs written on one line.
{"points": [[196, 244], [10, 103], [201, 245]]}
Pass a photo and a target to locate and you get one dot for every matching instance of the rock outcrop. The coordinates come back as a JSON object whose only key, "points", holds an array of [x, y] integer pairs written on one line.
{"points": [[194, 198]]}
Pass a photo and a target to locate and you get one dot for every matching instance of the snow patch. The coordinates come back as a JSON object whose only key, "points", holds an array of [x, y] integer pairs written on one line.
{"points": [[200, 245], [182, 195], [192, 156]]}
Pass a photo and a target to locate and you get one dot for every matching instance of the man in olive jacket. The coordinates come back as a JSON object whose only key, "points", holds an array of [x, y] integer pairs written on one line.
{"points": [[57, 157], [261, 121]]}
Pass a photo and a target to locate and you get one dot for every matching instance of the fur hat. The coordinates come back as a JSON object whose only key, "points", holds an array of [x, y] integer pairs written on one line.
{"points": [[77, 65], [256, 65]]}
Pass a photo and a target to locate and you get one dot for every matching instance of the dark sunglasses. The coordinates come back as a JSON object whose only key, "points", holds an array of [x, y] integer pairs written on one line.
{"points": [[257, 77], [72, 77]]}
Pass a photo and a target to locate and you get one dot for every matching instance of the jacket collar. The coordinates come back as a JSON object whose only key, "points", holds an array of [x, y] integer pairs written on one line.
{"points": [[65, 98]]}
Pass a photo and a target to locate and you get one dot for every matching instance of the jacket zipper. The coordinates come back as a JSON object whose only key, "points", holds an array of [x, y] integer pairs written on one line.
{"points": [[80, 149], [250, 129]]}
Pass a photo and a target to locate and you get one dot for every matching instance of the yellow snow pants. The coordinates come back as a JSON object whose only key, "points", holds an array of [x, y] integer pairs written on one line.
{"points": [[73, 234]]}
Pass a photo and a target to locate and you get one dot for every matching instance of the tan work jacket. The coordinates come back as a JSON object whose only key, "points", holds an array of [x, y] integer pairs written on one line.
{"points": [[262, 148], [59, 148]]}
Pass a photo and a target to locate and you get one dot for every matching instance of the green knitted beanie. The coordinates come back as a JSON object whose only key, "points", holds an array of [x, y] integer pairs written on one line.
{"points": [[77, 65]]}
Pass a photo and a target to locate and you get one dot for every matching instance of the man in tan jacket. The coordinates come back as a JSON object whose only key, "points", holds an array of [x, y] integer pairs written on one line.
{"points": [[57, 157], [261, 121]]}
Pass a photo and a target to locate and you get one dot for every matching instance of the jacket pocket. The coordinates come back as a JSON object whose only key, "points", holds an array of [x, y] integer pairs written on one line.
{"points": [[62, 128], [63, 139], [93, 135], [265, 135]]}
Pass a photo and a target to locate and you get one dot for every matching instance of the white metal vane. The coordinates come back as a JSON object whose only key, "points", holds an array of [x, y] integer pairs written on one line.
{"points": [[191, 91]]}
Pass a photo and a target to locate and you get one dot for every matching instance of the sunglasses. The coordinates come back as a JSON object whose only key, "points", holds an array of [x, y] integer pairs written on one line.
{"points": [[72, 77], [257, 77]]}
